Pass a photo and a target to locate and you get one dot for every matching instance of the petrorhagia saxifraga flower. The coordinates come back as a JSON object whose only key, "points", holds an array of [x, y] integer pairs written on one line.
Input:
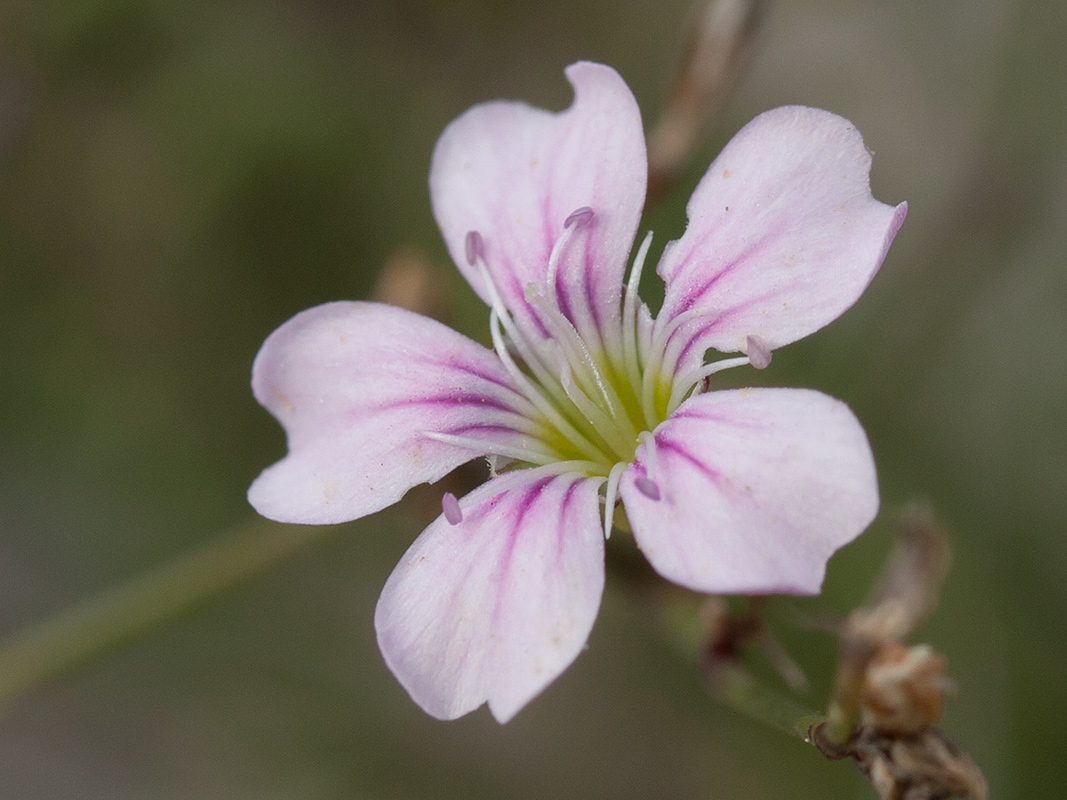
{"points": [[586, 399]]}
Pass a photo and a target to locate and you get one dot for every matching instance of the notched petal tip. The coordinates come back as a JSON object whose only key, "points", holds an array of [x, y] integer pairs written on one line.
{"points": [[784, 234], [521, 176]]}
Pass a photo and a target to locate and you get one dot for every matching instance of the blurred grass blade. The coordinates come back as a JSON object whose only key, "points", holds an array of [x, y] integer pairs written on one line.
{"points": [[33, 657]]}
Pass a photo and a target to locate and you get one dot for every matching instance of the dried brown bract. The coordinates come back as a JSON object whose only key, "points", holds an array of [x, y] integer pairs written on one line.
{"points": [[903, 690], [889, 696], [921, 766]]}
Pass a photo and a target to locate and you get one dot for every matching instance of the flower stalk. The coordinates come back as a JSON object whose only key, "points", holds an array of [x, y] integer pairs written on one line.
{"points": [[735, 686]]}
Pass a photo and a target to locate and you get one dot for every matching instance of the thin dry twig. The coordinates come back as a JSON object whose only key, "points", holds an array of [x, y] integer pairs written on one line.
{"points": [[719, 45]]}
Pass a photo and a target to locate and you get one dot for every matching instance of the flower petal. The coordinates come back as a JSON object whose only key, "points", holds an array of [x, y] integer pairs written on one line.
{"points": [[355, 385], [783, 234], [496, 606], [515, 174], [758, 487]]}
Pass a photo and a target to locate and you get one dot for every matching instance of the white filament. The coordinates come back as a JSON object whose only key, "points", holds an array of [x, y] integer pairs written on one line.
{"points": [[629, 316], [690, 379], [611, 492]]}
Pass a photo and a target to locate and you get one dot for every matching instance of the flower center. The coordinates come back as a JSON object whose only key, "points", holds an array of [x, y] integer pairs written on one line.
{"points": [[595, 394], [589, 412], [595, 397]]}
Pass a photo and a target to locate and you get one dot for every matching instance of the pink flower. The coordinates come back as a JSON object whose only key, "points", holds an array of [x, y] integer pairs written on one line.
{"points": [[585, 399]]}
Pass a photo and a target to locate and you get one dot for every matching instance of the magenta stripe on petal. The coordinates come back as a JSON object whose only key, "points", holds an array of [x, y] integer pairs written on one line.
{"points": [[519, 175], [758, 488], [783, 236], [356, 386], [494, 607]]}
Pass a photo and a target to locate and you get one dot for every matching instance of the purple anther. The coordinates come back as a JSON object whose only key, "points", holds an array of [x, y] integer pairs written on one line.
{"points": [[450, 507], [475, 247], [759, 355], [646, 487], [579, 217]]}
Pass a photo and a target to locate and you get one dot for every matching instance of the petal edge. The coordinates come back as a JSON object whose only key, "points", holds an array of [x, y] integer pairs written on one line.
{"points": [[354, 384], [515, 174], [759, 488], [494, 608], [783, 235]]}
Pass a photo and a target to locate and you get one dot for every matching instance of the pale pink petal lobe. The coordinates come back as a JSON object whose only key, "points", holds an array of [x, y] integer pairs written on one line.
{"points": [[783, 235], [355, 386], [516, 176], [492, 608], [758, 488]]}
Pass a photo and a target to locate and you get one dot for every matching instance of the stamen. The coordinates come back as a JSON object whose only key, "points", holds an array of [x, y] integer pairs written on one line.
{"points": [[530, 354], [663, 335], [646, 487], [654, 366], [450, 507], [574, 350], [688, 380], [611, 492], [579, 216], [475, 247], [574, 221], [534, 356], [481, 447], [645, 329], [573, 407], [645, 483], [561, 331], [629, 316], [543, 405], [607, 428], [677, 345], [759, 354]]}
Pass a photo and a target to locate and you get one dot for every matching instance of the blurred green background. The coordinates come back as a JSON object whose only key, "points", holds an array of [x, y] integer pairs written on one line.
{"points": [[177, 179]]}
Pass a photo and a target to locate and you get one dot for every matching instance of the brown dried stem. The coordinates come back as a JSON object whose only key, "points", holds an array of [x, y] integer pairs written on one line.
{"points": [[719, 45]]}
